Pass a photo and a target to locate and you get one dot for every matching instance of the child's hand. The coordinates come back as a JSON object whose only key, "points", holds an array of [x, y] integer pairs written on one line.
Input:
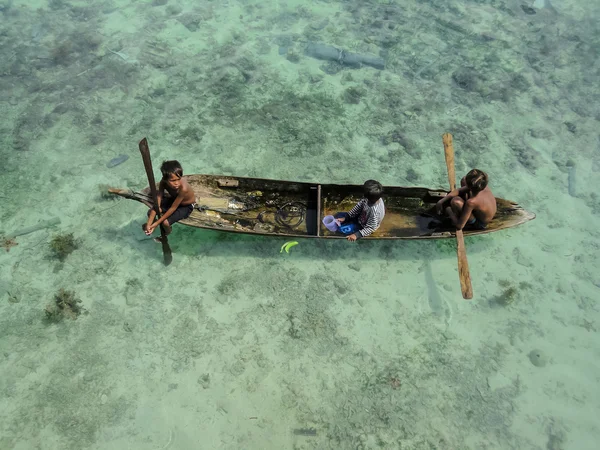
{"points": [[352, 237], [341, 220], [150, 229]]}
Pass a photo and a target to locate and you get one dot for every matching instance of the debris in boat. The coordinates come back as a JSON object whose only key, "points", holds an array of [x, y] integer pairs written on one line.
{"points": [[65, 304], [287, 246], [263, 228], [234, 204], [227, 183], [116, 161], [305, 432]]}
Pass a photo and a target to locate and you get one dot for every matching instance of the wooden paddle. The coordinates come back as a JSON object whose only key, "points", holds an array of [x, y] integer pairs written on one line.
{"points": [[145, 151], [461, 251]]}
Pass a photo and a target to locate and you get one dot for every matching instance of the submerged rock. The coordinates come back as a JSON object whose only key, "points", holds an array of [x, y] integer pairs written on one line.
{"points": [[537, 358], [116, 161]]}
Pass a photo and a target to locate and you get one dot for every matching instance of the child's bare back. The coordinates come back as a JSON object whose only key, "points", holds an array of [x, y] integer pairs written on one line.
{"points": [[484, 204], [473, 204]]}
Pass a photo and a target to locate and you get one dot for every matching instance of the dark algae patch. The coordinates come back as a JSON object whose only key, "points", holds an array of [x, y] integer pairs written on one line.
{"points": [[305, 431]]}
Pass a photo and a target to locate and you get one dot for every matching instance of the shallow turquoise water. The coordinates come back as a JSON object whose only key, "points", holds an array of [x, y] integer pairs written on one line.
{"points": [[334, 345]]}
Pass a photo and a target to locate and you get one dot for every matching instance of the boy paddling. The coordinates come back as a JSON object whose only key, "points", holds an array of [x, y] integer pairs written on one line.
{"points": [[473, 204], [177, 205]]}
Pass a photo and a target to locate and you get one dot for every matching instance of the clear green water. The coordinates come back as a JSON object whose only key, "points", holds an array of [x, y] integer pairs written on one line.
{"points": [[334, 345]]}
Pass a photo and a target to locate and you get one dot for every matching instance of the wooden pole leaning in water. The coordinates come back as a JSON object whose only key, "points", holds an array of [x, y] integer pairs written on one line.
{"points": [[145, 151], [461, 251]]}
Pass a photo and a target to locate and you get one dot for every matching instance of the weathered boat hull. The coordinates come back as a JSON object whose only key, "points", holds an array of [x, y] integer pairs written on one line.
{"points": [[295, 209]]}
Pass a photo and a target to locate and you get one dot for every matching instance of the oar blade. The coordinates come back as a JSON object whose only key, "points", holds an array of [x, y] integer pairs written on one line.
{"points": [[463, 267], [166, 248]]}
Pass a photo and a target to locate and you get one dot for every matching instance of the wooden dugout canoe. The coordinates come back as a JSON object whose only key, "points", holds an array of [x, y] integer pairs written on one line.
{"points": [[294, 209]]}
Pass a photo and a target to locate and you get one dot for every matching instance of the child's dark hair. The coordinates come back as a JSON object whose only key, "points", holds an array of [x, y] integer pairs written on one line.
{"points": [[171, 167], [476, 180], [373, 190]]}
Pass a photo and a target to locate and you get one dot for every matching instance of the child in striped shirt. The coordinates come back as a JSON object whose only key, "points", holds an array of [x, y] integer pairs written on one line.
{"points": [[368, 212]]}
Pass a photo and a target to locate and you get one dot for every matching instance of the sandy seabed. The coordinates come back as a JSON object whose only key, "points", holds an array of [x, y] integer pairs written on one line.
{"points": [[334, 345]]}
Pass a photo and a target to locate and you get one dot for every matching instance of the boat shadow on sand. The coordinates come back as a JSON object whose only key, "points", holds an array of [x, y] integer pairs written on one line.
{"points": [[194, 242]]}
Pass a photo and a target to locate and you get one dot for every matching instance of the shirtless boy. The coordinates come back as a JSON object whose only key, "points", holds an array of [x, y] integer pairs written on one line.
{"points": [[473, 204], [179, 202]]}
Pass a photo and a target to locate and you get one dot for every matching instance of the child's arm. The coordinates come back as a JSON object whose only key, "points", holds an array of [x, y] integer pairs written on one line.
{"points": [[354, 212], [182, 194], [372, 224], [159, 196], [369, 228], [461, 221], [450, 195]]}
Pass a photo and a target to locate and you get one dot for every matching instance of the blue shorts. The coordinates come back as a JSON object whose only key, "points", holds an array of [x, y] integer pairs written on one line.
{"points": [[476, 224], [182, 212], [351, 223]]}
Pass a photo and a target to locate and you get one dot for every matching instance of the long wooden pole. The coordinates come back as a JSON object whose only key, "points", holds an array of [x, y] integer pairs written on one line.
{"points": [[145, 151], [461, 251]]}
